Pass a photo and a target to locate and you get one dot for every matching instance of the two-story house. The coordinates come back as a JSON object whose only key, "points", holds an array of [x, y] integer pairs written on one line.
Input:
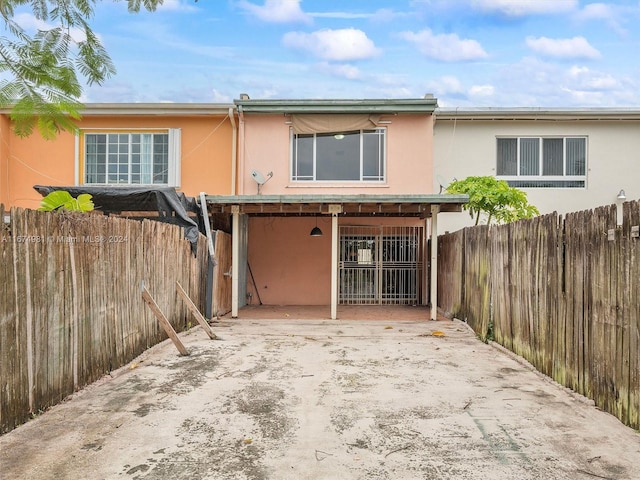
{"points": [[566, 160], [333, 202], [187, 146]]}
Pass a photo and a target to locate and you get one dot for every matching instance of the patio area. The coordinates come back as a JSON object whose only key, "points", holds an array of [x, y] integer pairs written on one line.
{"points": [[345, 312]]}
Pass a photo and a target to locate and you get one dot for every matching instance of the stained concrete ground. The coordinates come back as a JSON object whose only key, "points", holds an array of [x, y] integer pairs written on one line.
{"points": [[397, 397]]}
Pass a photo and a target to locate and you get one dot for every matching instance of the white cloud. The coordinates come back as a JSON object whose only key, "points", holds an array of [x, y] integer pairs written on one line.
{"points": [[445, 47], [218, 97], [333, 45], [519, 8], [576, 47], [176, 6], [601, 13], [481, 91], [585, 79], [276, 11], [532, 82], [347, 71], [341, 15], [446, 85]]}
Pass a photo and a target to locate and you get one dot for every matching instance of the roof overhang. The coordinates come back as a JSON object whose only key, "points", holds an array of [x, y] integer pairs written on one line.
{"points": [[389, 106], [348, 205], [536, 113], [150, 109], [159, 109]]}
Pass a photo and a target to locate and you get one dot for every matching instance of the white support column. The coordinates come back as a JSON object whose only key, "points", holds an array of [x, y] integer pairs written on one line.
{"points": [[426, 258], [434, 261], [235, 258], [334, 266]]}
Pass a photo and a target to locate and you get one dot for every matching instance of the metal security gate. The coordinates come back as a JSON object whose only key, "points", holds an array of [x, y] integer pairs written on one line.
{"points": [[380, 265]]}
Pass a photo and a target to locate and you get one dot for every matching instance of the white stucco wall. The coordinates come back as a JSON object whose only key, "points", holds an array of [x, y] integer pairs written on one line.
{"points": [[468, 147]]}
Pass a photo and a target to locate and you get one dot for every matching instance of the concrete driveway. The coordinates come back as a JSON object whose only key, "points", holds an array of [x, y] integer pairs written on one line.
{"points": [[320, 399]]}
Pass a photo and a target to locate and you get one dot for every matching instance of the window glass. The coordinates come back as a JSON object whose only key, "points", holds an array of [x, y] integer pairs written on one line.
{"points": [[340, 156], [552, 154], [507, 156], [303, 153], [529, 156], [576, 156], [552, 162], [373, 155], [122, 158]]}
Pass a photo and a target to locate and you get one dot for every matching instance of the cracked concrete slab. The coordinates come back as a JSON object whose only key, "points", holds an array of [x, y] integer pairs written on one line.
{"points": [[314, 399]]}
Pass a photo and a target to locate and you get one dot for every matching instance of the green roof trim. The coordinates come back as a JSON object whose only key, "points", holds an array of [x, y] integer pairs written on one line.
{"points": [[409, 105], [431, 199]]}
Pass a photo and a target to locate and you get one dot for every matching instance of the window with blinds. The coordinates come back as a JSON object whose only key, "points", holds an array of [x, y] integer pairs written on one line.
{"points": [[542, 162]]}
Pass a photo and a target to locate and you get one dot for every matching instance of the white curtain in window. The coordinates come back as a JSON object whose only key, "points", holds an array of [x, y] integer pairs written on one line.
{"points": [[146, 158], [175, 156]]}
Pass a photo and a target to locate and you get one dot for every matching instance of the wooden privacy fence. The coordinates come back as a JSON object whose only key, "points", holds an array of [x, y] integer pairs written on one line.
{"points": [[71, 308], [562, 293]]}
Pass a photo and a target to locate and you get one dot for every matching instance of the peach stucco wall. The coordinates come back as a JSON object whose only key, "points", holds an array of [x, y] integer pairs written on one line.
{"points": [[265, 146], [289, 266], [25, 162]]}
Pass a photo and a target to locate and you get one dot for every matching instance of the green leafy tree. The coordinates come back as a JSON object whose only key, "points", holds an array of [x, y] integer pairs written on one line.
{"points": [[494, 198], [40, 74], [62, 200]]}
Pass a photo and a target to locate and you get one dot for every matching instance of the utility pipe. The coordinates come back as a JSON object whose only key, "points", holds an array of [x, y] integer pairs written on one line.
{"points": [[241, 150], [234, 149]]}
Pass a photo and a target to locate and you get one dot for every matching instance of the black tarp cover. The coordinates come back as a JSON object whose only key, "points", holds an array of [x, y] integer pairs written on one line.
{"points": [[171, 206]]}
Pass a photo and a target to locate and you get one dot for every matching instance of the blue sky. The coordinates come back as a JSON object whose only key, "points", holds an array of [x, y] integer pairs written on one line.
{"points": [[468, 53]]}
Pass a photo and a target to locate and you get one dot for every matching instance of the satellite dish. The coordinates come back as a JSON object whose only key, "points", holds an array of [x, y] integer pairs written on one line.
{"points": [[260, 178], [441, 181]]}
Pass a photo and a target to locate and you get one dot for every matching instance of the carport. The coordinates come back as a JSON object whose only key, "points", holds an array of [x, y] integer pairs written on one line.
{"points": [[412, 207]]}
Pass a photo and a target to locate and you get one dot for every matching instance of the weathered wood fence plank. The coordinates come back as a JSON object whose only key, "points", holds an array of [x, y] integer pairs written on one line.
{"points": [[195, 312], [450, 268], [562, 293], [70, 304]]}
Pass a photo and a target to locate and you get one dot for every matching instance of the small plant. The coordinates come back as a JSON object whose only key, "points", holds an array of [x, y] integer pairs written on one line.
{"points": [[493, 198], [490, 336], [62, 200]]}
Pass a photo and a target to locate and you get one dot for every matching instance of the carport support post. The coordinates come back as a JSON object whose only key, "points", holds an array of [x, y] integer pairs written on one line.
{"points": [[434, 261], [235, 258], [334, 261]]}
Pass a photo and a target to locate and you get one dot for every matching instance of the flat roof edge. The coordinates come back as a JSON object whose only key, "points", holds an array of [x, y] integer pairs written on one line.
{"points": [[156, 108], [336, 199], [537, 113], [412, 105]]}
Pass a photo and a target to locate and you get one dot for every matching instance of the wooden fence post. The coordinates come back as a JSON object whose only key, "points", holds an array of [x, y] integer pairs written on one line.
{"points": [[163, 321], [196, 313]]}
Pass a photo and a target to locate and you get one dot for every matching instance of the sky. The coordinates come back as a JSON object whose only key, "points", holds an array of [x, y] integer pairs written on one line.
{"points": [[467, 53]]}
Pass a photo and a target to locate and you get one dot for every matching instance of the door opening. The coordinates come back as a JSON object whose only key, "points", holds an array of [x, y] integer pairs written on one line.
{"points": [[381, 265]]}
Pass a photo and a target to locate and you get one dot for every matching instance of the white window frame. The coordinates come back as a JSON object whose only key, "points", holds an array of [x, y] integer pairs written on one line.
{"points": [[363, 180], [174, 154], [541, 179]]}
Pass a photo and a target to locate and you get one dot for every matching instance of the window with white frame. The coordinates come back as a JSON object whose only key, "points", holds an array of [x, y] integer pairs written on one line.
{"points": [[542, 162], [355, 156], [137, 157]]}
